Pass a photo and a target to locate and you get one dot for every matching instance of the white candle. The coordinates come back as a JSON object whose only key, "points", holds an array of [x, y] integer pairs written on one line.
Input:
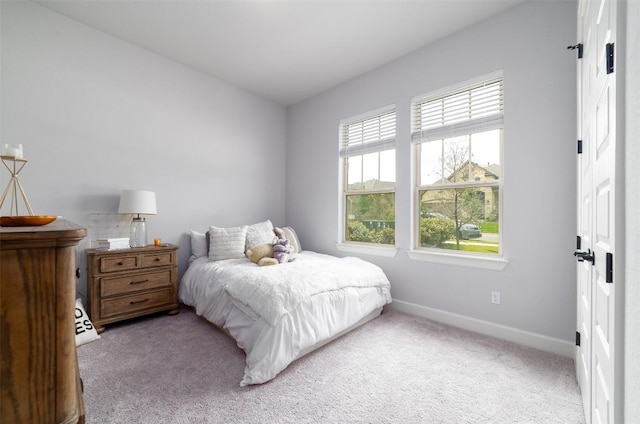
{"points": [[12, 151]]}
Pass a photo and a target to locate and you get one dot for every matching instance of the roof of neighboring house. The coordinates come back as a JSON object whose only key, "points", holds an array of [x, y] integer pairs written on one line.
{"points": [[372, 185], [492, 170]]}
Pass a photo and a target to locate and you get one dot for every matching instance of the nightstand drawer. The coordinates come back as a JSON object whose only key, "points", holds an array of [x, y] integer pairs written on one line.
{"points": [[119, 263], [133, 283], [136, 302], [128, 283], [157, 259]]}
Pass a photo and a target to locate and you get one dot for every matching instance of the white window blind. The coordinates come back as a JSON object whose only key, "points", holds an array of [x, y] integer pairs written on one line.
{"points": [[474, 108], [374, 133]]}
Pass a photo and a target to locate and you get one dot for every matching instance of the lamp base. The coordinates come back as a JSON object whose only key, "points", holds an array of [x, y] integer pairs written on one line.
{"points": [[138, 236]]}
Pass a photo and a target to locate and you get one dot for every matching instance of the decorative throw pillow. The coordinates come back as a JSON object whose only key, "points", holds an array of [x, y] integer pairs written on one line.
{"points": [[198, 244], [85, 331], [289, 234], [259, 233], [227, 243]]}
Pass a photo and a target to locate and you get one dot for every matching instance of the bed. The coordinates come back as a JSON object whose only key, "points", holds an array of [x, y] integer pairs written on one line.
{"points": [[279, 313]]}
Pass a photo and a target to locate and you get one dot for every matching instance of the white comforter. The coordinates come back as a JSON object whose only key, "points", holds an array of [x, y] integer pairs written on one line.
{"points": [[330, 294]]}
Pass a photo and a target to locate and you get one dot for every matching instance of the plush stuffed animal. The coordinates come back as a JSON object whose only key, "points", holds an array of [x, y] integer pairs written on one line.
{"points": [[282, 250], [262, 255]]}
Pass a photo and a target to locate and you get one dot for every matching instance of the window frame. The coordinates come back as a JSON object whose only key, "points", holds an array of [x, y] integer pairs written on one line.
{"points": [[448, 131], [345, 152]]}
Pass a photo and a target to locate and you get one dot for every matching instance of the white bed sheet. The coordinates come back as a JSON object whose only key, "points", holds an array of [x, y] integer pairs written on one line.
{"points": [[271, 348]]}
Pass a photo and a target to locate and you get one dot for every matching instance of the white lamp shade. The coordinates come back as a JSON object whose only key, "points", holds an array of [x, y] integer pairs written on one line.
{"points": [[138, 201]]}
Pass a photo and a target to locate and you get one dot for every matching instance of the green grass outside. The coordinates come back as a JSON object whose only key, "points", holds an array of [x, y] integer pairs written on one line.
{"points": [[493, 248], [489, 227]]}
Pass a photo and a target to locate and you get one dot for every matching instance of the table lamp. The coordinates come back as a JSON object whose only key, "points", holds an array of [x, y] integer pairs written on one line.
{"points": [[138, 202]]}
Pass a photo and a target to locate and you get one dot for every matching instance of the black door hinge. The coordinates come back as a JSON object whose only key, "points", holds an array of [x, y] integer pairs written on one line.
{"points": [[578, 242], [609, 58], [608, 274], [579, 147], [577, 338], [577, 46]]}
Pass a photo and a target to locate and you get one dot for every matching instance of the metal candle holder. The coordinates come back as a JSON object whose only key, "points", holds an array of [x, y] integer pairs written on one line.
{"points": [[14, 165]]}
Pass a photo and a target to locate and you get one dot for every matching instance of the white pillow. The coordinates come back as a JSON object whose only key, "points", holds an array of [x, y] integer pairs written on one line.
{"points": [[85, 331], [227, 243], [260, 233], [198, 244], [289, 234]]}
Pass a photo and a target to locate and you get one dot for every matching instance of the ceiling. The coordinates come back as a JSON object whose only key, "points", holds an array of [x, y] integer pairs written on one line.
{"points": [[282, 50]]}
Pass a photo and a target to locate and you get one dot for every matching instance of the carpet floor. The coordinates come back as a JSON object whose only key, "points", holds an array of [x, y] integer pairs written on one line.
{"points": [[396, 369]]}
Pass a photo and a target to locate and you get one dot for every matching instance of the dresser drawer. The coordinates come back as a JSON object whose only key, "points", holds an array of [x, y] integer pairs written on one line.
{"points": [[128, 304], [156, 259], [118, 263], [130, 283]]}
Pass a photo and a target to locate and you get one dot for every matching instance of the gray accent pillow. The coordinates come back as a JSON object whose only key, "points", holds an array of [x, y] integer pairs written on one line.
{"points": [[289, 234]]}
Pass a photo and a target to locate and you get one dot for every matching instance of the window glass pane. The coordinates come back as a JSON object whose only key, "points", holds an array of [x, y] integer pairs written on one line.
{"points": [[388, 166], [370, 167], [483, 149], [354, 171], [430, 162], [450, 156], [485, 152], [456, 159], [372, 171], [463, 219], [370, 218]]}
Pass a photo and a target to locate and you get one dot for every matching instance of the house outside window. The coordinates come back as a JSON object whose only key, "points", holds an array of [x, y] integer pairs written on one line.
{"points": [[368, 157], [457, 136]]}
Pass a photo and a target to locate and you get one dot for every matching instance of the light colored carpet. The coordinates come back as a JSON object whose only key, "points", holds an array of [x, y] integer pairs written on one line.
{"points": [[395, 369]]}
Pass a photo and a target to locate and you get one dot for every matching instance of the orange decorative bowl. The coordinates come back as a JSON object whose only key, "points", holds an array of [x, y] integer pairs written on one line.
{"points": [[26, 221]]}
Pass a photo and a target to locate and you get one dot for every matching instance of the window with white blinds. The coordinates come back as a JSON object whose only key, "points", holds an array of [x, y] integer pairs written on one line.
{"points": [[457, 136], [478, 107], [370, 133], [368, 156]]}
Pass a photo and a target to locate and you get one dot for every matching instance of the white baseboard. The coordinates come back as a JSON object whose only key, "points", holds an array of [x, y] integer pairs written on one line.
{"points": [[538, 341]]}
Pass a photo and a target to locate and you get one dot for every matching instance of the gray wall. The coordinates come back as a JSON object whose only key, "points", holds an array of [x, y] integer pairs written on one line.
{"points": [[539, 229], [97, 115]]}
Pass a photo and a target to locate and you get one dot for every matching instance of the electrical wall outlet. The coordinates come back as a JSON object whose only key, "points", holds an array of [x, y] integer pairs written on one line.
{"points": [[495, 297]]}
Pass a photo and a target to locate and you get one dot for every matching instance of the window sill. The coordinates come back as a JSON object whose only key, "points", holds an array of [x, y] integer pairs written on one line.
{"points": [[495, 264], [389, 252]]}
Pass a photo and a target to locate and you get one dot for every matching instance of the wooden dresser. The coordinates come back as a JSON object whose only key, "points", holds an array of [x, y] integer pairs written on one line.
{"points": [[39, 369], [129, 283]]}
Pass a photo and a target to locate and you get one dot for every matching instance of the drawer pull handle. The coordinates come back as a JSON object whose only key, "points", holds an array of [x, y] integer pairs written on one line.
{"points": [[120, 263], [157, 259], [135, 302], [139, 282]]}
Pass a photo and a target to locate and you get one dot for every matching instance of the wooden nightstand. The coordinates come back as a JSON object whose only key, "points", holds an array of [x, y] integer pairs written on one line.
{"points": [[129, 283]]}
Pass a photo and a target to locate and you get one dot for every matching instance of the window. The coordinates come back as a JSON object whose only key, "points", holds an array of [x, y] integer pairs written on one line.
{"points": [[457, 137], [368, 156]]}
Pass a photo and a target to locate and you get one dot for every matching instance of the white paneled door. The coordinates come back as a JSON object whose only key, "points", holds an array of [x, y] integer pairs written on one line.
{"points": [[596, 289]]}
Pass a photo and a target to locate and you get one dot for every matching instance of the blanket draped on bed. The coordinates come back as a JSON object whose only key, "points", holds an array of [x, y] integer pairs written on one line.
{"points": [[273, 291]]}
